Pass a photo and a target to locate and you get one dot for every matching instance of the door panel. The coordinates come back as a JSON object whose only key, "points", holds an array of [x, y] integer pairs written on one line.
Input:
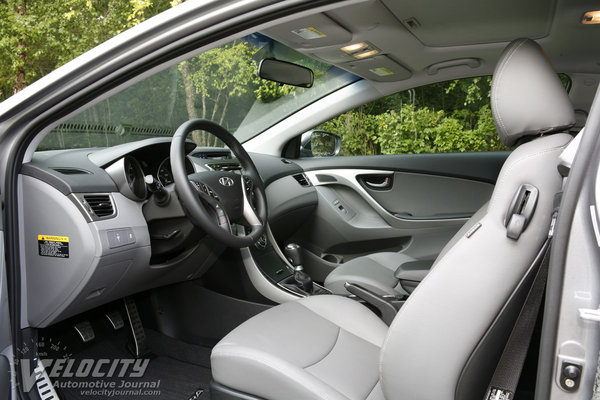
{"points": [[413, 204], [422, 196]]}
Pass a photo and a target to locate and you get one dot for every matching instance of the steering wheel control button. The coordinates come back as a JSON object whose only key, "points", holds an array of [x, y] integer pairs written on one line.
{"points": [[120, 237]]}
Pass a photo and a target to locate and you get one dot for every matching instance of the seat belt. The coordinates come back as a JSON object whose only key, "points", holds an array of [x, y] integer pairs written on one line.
{"points": [[506, 376]]}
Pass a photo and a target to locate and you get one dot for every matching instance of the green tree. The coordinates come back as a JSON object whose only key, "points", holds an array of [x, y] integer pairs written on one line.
{"points": [[38, 36], [451, 116], [215, 78]]}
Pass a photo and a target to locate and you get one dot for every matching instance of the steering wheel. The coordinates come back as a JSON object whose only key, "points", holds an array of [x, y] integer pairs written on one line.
{"points": [[215, 200]]}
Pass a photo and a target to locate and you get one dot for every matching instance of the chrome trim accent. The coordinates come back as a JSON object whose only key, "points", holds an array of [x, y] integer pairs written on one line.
{"points": [[89, 214], [248, 211], [226, 181]]}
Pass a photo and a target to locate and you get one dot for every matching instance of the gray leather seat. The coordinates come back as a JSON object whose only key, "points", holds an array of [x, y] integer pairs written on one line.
{"points": [[445, 341], [376, 271]]}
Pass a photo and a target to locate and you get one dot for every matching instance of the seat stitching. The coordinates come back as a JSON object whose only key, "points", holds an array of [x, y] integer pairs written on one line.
{"points": [[330, 350], [266, 363], [337, 339], [499, 75], [333, 323], [373, 388], [514, 163]]}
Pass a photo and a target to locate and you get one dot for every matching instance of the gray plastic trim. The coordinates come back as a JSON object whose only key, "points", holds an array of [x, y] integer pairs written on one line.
{"points": [[79, 200], [276, 293], [348, 177], [119, 175]]}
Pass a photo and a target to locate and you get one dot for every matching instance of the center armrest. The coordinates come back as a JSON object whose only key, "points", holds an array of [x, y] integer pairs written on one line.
{"points": [[411, 273]]}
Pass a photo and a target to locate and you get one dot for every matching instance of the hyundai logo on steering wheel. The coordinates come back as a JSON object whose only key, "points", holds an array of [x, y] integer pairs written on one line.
{"points": [[226, 181]]}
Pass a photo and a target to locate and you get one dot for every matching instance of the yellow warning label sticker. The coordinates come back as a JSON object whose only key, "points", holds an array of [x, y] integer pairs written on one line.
{"points": [[382, 71], [53, 246], [316, 31], [309, 33], [54, 238]]}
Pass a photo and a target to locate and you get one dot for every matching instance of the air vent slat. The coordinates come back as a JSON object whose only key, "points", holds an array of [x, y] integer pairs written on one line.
{"points": [[71, 171], [302, 180], [101, 205], [224, 166]]}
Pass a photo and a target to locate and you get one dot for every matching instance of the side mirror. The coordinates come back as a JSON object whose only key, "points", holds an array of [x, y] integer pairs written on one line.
{"points": [[317, 143], [285, 73]]}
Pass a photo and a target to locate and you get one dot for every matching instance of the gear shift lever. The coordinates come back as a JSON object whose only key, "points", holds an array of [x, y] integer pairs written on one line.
{"points": [[293, 252]]}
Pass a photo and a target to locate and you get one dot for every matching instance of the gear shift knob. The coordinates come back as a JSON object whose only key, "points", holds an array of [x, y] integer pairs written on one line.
{"points": [[293, 253]]}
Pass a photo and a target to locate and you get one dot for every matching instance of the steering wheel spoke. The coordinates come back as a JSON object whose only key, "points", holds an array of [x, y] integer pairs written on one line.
{"points": [[248, 210], [210, 198], [215, 200]]}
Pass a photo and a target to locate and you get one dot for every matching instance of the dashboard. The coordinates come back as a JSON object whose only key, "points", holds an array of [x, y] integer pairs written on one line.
{"points": [[113, 238]]}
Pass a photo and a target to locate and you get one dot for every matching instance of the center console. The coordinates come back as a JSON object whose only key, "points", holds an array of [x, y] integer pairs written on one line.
{"points": [[283, 271]]}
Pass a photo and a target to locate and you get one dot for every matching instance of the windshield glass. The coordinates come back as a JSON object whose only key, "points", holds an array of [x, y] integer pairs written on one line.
{"points": [[220, 84]]}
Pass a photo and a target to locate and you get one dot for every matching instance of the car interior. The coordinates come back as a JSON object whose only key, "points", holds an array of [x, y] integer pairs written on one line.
{"points": [[249, 258]]}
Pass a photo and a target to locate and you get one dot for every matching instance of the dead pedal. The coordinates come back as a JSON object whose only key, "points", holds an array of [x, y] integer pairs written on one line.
{"points": [[139, 348]]}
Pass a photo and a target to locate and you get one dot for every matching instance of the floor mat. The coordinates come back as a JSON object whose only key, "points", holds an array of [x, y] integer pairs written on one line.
{"points": [[106, 370]]}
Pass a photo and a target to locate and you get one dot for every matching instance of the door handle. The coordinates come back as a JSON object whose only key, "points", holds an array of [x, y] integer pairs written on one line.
{"points": [[387, 182]]}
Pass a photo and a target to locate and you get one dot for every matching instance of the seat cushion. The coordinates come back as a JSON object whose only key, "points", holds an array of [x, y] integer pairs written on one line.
{"points": [[320, 347], [374, 272]]}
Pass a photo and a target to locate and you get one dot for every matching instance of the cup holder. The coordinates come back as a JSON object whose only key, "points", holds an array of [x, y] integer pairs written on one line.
{"points": [[332, 258]]}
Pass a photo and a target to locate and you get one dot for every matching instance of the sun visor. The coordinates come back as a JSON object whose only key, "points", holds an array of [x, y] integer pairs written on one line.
{"points": [[379, 68], [310, 32], [459, 22]]}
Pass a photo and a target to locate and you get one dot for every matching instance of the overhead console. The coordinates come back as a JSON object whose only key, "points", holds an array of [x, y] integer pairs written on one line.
{"points": [[354, 40]]}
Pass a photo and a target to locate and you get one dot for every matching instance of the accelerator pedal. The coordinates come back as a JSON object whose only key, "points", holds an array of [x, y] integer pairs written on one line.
{"points": [[139, 348]]}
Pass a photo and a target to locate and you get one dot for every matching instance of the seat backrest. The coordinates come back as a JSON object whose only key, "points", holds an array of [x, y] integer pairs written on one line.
{"points": [[446, 340]]}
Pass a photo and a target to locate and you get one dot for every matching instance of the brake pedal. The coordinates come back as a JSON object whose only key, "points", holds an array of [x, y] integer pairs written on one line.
{"points": [[116, 320], [85, 331], [140, 347]]}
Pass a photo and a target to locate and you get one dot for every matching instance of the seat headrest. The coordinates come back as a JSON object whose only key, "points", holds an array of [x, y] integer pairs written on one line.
{"points": [[527, 96]]}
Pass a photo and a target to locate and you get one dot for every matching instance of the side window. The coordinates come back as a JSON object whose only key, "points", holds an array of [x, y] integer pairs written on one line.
{"points": [[453, 116]]}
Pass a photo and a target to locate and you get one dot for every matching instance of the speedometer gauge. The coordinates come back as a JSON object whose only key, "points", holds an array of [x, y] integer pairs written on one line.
{"points": [[164, 174]]}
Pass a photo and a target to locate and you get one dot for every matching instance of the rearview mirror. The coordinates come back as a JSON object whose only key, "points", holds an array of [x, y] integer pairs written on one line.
{"points": [[285, 73], [317, 143]]}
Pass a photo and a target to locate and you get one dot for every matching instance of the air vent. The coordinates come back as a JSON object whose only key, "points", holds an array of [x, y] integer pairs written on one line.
{"points": [[71, 171], [215, 155], [224, 166], [100, 204], [302, 179]]}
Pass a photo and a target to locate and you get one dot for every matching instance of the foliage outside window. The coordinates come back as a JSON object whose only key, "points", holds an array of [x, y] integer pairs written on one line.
{"points": [[452, 116], [220, 85]]}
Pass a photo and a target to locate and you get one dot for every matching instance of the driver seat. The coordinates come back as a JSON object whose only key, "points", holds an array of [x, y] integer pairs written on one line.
{"points": [[445, 342]]}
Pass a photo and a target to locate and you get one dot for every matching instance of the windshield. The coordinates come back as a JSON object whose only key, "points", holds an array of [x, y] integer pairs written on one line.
{"points": [[220, 84]]}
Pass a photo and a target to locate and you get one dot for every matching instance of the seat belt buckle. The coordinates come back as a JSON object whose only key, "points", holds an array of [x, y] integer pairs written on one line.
{"points": [[495, 393]]}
